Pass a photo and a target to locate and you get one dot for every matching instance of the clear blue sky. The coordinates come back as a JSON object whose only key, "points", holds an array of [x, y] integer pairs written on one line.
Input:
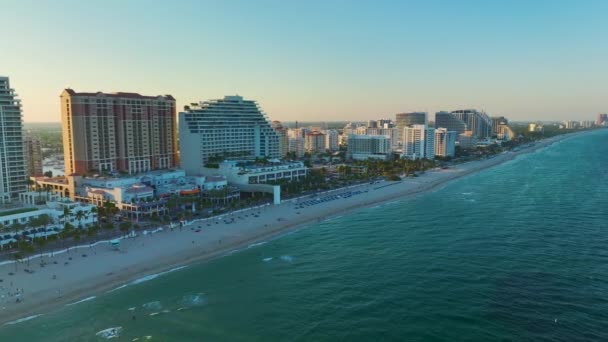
{"points": [[316, 60]]}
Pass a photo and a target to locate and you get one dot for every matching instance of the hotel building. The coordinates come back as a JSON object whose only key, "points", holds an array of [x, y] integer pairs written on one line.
{"points": [[403, 120], [361, 147], [445, 142], [13, 174], [419, 142], [124, 132], [228, 128]]}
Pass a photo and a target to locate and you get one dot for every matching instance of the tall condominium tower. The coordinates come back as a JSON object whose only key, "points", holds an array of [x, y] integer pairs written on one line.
{"points": [[124, 132], [283, 137], [403, 120], [450, 122], [465, 120], [34, 154], [419, 142], [13, 177], [230, 128], [445, 142]]}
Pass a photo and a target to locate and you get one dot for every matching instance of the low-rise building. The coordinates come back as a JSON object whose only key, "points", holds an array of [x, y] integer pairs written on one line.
{"points": [[135, 195], [30, 222], [252, 172]]}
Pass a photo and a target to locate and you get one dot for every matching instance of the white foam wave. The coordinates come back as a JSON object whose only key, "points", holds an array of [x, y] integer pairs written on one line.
{"points": [[147, 278], [256, 244], [109, 333], [155, 305], [194, 300], [82, 300], [267, 259], [22, 319]]}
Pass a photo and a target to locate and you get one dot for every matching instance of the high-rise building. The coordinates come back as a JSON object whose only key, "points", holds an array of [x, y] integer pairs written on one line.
{"points": [[602, 120], [229, 128], [34, 157], [403, 120], [361, 147], [419, 142], [497, 121], [460, 121], [477, 122], [296, 145], [283, 137], [124, 132], [450, 122], [445, 142], [13, 176], [314, 142], [332, 140]]}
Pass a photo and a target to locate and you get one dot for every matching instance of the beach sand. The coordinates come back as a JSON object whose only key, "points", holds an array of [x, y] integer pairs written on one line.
{"points": [[72, 277]]}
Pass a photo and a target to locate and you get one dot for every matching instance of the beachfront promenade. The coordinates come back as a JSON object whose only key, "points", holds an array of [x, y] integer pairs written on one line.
{"points": [[89, 271]]}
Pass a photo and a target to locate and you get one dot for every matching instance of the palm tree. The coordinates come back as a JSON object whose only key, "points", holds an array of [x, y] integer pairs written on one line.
{"points": [[94, 211], [66, 213], [79, 216]]}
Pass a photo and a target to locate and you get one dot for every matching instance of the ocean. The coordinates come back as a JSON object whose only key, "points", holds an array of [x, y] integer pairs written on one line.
{"points": [[518, 252]]}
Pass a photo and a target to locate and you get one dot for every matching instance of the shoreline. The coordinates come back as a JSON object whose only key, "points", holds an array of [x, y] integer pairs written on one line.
{"points": [[81, 276]]}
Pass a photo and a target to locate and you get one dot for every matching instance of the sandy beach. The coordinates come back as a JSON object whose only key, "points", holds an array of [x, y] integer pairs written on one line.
{"points": [[83, 273]]}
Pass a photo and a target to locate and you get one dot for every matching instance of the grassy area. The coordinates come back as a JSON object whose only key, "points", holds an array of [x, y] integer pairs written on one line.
{"points": [[17, 211]]}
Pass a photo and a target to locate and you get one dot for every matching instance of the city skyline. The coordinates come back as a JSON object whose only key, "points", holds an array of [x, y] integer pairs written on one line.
{"points": [[311, 62]]}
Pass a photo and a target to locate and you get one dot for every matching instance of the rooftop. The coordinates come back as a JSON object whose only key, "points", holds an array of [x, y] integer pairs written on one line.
{"points": [[118, 95]]}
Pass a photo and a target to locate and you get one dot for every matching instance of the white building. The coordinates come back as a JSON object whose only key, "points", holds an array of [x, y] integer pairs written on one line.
{"points": [[361, 147], [283, 137], [332, 140], [250, 172], [419, 142], [445, 142], [314, 142], [13, 167], [230, 128], [296, 145], [17, 221]]}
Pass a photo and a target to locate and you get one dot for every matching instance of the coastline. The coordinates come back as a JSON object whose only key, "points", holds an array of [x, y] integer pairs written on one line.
{"points": [[103, 269]]}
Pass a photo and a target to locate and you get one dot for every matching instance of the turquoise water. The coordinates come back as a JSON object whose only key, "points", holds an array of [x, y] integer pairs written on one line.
{"points": [[515, 253]]}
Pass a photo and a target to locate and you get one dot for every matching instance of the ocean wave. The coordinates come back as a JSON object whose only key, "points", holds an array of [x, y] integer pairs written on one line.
{"points": [[22, 319], [82, 300], [155, 305], [146, 278], [267, 259], [194, 299], [257, 244], [109, 333]]}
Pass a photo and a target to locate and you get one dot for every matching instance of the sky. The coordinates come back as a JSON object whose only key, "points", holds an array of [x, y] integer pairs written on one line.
{"points": [[316, 60]]}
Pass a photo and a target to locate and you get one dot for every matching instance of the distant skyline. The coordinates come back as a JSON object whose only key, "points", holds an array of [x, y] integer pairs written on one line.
{"points": [[316, 60]]}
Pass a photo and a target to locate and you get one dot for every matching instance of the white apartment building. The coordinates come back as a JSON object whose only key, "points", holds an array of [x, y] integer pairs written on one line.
{"points": [[314, 142], [361, 147], [419, 142], [332, 140], [296, 145], [230, 128], [13, 166], [445, 142]]}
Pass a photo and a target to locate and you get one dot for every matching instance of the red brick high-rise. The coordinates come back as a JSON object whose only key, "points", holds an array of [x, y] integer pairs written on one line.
{"points": [[124, 132]]}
